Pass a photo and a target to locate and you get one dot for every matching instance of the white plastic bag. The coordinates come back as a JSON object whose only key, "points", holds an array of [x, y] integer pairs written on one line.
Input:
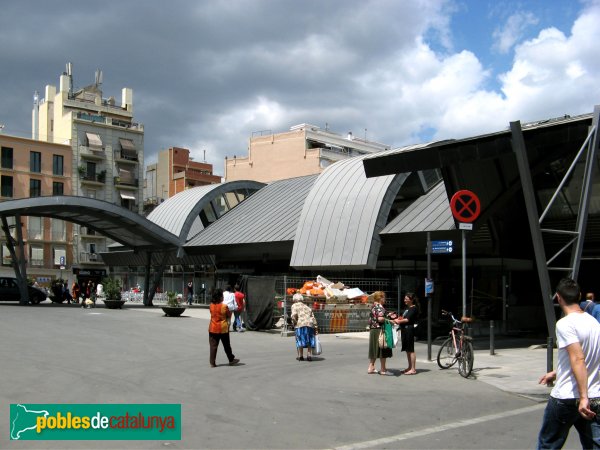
{"points": [[317, 349], [396, 329]]}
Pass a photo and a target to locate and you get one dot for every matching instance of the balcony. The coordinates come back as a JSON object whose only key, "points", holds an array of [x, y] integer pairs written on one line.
{"points": [[91, 153], [93, 179], [123, 182], [90, 258], [126, 157]]}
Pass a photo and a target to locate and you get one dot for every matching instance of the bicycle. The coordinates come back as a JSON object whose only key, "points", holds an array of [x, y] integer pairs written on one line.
{"points": [[458, 347]]}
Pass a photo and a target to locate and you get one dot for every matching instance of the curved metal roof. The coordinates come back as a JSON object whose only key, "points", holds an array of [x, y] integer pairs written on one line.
{"points": [[270, 215], [180, 214], [342, 216], [113, 221]]}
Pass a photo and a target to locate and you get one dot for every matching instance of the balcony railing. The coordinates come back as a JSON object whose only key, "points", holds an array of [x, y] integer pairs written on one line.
{"points": [[126, 181], [86, 257], [96, 178]]}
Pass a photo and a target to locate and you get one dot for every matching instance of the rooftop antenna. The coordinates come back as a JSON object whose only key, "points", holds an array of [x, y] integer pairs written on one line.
{"points": [[70, 74], [204, 155], [98, 80]]}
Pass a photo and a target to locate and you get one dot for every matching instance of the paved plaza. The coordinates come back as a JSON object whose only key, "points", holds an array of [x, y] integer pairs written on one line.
{"points": [[65, 354]]}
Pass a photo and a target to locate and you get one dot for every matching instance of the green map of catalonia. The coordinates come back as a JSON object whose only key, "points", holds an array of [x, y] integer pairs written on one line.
{"points": [[24, 419]]}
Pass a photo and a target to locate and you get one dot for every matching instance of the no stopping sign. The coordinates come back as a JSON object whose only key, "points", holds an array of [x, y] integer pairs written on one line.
{"points": [[465, 206]]}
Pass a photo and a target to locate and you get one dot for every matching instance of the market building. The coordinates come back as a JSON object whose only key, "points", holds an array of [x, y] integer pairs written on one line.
{"points": [[366, 222]]}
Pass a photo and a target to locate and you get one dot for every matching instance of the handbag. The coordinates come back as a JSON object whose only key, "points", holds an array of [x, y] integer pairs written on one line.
{"points": [[317, 349], [382, 339]]}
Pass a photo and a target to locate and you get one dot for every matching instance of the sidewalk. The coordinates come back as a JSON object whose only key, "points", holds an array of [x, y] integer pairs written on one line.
{"points": [[515, 367]]}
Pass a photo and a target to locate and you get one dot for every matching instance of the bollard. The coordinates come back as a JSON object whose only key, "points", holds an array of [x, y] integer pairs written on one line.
{"points": [[549, 357], [492, 352]]}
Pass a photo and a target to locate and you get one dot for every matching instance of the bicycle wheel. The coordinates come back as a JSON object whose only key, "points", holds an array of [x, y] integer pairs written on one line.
{"points": [[465, 360], [446, 356]]}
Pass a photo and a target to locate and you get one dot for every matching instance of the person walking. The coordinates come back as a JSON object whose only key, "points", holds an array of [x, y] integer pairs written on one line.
{"points": [[590, 306], [218, 329], [305, 326], [237, 314], [190, 292], [229, 300], [407, 331], [75, 291], [575, 398], [377, 317]]}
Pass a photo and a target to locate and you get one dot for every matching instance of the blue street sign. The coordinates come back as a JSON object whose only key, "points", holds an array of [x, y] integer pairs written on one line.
{"points": [[441, 246], [62, 260]]}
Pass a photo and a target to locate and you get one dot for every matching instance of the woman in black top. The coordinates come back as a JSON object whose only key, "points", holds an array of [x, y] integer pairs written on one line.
{"points": [[407, 330]]}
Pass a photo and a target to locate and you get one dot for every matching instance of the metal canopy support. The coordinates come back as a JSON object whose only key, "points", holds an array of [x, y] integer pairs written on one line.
{"points": [[586, 193], [18, 262], [518, 144]]}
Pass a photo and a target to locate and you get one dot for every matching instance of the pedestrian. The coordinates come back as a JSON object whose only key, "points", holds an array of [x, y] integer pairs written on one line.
{"points": [[377, 317], [218, 329], [305, 326], [407, 331], [575, 398], [75, 291], [229, 300], [590, 306], [190, 292], [237, 314]]}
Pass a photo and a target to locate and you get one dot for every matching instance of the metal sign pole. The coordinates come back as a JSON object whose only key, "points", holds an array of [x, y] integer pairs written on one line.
{"points": [[428, 297], [464, 272]]}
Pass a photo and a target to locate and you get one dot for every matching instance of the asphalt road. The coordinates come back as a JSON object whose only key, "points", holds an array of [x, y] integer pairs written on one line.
{"points": [[61, 354]]}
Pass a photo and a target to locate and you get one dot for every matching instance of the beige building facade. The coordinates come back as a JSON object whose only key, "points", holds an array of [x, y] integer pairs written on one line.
{"points": [[31, 168], [303, 150], [107, 148]]}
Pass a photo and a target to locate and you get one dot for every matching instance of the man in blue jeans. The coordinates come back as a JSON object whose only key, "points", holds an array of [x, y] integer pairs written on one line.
{"points": [[574, 400]]}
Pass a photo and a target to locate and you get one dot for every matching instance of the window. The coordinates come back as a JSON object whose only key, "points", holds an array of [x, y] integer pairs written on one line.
{"points": [[36, 257], [90, 170], [60, 256], [35, 188], [6, 258], [7, 186], [58, 188], [35, 162], [57, 164], [7, 158], [59, 230], [35, 228]]}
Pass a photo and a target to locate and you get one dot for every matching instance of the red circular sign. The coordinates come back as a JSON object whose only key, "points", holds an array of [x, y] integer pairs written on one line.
{"points": [[465, 206]]}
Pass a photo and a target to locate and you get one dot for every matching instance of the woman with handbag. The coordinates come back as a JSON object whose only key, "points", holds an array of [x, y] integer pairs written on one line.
{"points": [[305, 326], [377, 318], [407, 331]]}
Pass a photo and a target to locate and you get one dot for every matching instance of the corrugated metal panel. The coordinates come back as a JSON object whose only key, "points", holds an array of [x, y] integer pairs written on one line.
{"points": [[270, 215], [179, 214], [342, 217], [430, 212]]}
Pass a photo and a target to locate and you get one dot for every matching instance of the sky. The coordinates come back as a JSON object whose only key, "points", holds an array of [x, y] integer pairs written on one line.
{"points": [[207, 74]]}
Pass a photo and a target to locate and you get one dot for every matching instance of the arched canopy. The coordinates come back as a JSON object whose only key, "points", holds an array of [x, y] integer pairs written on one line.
{"points": [[342, 216], [189, 212], [117, 223]]}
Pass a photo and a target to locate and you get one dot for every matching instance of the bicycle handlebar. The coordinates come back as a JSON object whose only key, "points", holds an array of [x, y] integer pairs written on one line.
{"points": [[454, 319]]}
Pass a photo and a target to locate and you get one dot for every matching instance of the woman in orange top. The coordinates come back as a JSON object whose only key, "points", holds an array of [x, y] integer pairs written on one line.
{"points": [[218, 329]]}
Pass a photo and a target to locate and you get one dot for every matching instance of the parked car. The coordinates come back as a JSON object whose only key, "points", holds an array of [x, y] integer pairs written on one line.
{"points": [[9, 291]]}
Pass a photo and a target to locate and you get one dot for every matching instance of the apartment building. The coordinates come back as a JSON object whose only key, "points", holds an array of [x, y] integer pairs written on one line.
{"points": [[174, 172], [303, 150], [31, 168], [107, 148]]}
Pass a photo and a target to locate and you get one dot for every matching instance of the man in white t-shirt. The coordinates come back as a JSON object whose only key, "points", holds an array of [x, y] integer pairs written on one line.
{"points": [[575, 398]]}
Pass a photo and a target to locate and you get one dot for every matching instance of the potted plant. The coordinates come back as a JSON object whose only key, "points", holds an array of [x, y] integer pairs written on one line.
{"points": [[82, 170], [112, 293], [101, 176], [174, 307]]}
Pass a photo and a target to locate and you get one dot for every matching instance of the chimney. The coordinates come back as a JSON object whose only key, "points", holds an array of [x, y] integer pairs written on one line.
{"points": [[350, 137]]}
